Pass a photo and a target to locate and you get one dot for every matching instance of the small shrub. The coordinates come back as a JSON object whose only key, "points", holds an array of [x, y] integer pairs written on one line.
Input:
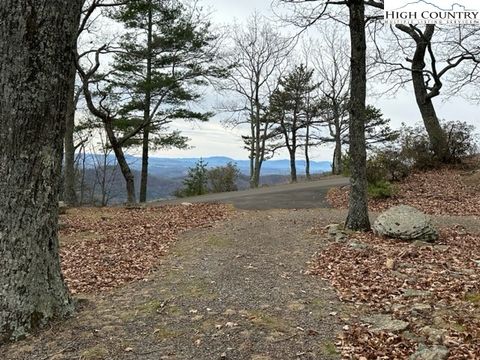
{"points": [[414, 147], [461, 139], [388, 164], [380, 190], [223, 178], [414, 144], [376, 171]]}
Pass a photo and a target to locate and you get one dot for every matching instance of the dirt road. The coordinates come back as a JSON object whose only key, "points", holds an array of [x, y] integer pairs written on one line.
{"points": [[306, 195]]}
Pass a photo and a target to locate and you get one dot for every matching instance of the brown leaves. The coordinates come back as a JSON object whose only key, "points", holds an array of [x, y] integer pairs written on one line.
{"points": [[403, 279], [105, 248], [438, 192]]}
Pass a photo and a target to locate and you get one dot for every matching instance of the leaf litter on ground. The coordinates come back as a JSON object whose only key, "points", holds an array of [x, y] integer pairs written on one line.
{"points": [[447, 191], [427, 285], [103, 248]]}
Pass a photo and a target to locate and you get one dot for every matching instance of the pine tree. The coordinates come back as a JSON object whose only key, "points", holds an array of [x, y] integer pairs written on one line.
{"points": [[196, 181], [167, 53]]}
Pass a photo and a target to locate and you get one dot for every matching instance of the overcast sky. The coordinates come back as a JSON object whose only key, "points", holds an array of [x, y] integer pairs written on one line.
{"points": [[213, 139]]}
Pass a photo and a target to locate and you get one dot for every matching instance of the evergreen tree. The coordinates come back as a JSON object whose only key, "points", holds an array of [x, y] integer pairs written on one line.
{"points": [[167, 53], [196, 182]]}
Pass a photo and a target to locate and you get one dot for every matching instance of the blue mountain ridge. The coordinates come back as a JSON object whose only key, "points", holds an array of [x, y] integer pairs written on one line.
{"points": [[178, 167]]}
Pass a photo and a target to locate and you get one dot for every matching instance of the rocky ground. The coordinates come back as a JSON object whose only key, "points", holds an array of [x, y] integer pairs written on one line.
{"points": [[414, 299]]}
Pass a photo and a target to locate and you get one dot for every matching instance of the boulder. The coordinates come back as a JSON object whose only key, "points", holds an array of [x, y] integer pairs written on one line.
{"points": [[405, 223]]}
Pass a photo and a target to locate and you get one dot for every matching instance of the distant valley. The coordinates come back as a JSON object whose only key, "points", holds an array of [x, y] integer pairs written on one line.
{"points": [[166, 174]]}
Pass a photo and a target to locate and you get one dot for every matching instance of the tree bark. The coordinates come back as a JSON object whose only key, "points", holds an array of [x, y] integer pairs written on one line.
{"points": [[146, 114], [307, 156], [37, 40], [70, 196], [122, 162], [258, 150], [357, 218], [253, 176], [337, 167], [437, 137], [293, 167]]}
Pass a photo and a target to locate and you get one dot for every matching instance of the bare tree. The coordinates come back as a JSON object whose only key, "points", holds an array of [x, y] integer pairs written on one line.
{"points": [[258, 54], [317, 10], [36, 42], [431, 54], [103, 111], [89, 16], [331, 62], [105, 168]]}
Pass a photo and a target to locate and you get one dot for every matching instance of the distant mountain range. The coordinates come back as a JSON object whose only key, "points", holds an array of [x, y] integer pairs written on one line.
{"points": [[166, 174], [178, 167]]}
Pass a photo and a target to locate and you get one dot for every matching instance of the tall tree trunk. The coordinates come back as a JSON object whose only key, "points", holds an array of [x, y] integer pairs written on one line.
{"points": [[144, 174], [252, 150], [37, 40], [146, 113], [258, 167], [357, 218], [307, 156], [258, 132], [122, 162], [104, 179], [437, 137], [293, 167], [252, 166], [70, 196], [337, 168], [82, 178]]}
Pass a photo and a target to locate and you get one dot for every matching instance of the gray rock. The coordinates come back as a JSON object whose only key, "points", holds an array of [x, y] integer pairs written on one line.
{"points": [[337, 232], [421, 309], [333, 229], [435, 336], [430, 353], [419, 243], [62, 225], [405, 223], [384, 322], [340, 237], [358, 245]]}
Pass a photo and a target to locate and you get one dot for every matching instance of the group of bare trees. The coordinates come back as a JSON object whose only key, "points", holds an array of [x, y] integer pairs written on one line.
{"points": [[291, 104], [258, 55]]}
